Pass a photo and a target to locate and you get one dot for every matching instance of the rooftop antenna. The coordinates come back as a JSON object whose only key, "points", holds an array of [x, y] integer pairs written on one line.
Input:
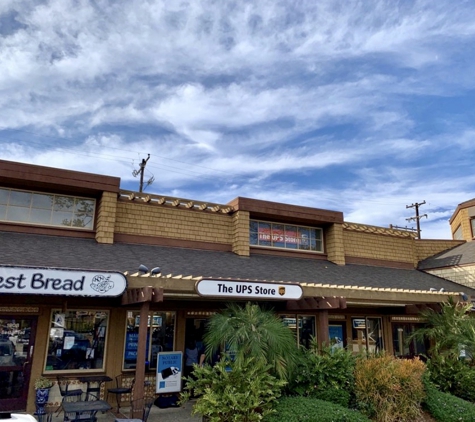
{"points": [[141, 171]]}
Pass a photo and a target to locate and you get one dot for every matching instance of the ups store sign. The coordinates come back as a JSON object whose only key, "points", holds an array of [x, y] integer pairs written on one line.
{"points": [[248, 290]]}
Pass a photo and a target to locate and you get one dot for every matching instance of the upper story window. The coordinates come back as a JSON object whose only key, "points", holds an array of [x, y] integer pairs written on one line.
{"points": [[28, 207], [472, 224], [286, 236]]}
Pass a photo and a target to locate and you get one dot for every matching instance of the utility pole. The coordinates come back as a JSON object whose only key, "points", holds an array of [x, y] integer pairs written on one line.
{"points": [[141, 171], [417, 217]]}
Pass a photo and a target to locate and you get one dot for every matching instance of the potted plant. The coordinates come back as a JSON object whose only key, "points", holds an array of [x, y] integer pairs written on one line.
{"points": [[42, 386]]}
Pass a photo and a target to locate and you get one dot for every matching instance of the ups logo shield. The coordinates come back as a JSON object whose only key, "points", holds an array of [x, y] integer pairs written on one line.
{"points": [[282, 291]]}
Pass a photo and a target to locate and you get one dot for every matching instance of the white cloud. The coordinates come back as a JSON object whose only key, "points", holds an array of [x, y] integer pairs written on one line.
{"points": [[317, 104]]}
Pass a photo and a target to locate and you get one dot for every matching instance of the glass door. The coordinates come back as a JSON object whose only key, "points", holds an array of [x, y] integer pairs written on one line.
{"points": [[17, 336]]}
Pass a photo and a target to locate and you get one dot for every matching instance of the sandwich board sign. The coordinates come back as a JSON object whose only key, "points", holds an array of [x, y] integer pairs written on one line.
{"points": [[169, 372]]}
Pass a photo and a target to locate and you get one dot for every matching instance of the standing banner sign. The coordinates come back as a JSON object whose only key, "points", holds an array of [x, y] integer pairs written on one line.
{"points": [[169, 372]]}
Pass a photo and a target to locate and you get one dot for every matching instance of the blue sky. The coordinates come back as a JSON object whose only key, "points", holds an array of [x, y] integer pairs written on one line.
{"points": [[362, 107]]}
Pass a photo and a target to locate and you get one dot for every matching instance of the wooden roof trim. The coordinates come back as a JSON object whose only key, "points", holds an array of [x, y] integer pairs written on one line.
{"points": [[175, 202]]}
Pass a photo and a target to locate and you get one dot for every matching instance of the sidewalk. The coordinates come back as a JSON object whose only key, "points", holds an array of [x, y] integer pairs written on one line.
{"points": [[171, 414]]}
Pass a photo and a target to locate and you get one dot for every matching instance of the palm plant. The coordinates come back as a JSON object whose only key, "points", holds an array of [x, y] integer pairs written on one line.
{"points": [[251, 332], [450, 330]]}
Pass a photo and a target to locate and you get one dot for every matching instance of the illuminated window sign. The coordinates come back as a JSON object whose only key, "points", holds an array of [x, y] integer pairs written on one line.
{"points": [[285, 236]]}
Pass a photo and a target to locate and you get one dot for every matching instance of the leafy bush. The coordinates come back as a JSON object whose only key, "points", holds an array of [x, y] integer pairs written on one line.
{"points": [[232, 391], [453, 376], [445, 407], [297, 409], [389, 389], [325, 374], [333, 395]]}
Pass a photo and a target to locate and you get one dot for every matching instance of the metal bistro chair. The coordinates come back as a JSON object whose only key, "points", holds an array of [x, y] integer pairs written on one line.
{"points": [[83, 416], [121, 388], [141, 408], [66, 393]]}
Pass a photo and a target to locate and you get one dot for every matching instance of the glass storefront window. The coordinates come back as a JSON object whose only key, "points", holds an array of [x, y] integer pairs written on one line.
{"points": [[160, 337], [367, 334], [403, 348], [77, 340], [303, 326]]}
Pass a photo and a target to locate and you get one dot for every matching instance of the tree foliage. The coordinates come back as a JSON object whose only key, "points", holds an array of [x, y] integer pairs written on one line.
{"points": [[450, 331]]}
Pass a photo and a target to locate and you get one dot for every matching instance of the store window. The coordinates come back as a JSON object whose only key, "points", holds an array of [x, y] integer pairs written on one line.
{"points": [[46, 209], [262, 233], [77, 340], [303, 327], [367, 334], [160, 337], [336, 335], [403, 347]]}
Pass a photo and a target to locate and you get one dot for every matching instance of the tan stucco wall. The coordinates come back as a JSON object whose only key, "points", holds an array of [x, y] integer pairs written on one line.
{"points": [[152, 220]]}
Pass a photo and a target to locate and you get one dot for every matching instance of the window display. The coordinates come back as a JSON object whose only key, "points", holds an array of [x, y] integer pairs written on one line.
{"points": [[160, 337], [77, 340]]}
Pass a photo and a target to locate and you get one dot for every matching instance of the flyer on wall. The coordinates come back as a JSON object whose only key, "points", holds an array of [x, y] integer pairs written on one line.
{"points": [[169, 372]]}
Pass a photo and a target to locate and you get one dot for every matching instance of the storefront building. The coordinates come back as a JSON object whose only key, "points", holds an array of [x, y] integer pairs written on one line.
{"points": [[98, 280]]}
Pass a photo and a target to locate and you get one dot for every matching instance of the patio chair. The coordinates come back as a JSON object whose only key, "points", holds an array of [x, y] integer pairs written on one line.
{"points": [[67, 393], [121, 388], [83, 416], [142, 407]]}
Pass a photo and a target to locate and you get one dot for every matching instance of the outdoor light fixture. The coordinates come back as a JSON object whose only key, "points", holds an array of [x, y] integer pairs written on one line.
{"points": [[432, 289], [143, 269], [442, 290], [464, 296], [156, 270]]}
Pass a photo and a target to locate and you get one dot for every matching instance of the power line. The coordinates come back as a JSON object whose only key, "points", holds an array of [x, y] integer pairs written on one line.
{"points": [[417, 217]]}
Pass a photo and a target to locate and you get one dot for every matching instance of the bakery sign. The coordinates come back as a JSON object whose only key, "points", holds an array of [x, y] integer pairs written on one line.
{"points": [[63, 282], [248, 290]]}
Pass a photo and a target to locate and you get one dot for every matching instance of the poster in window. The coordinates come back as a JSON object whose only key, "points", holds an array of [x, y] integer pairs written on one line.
{"points": [[335, 334]]}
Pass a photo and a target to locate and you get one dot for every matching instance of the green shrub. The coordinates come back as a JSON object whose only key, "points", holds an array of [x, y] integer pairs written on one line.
{"points": [[333, 395], [453, 376], [307, 409], [232, 391], [389, 389], [325, 374], [445, 407]]}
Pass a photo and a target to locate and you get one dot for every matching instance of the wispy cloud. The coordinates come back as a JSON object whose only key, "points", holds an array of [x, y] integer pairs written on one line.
{"points": [[362, 107]]}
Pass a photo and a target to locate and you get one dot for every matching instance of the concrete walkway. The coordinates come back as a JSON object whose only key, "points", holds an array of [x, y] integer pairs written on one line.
{"points": [[171, 414]]}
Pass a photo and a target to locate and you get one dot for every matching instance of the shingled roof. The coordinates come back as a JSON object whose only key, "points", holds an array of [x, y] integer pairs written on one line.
{"points": [[66, 252], [460, 255]]}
